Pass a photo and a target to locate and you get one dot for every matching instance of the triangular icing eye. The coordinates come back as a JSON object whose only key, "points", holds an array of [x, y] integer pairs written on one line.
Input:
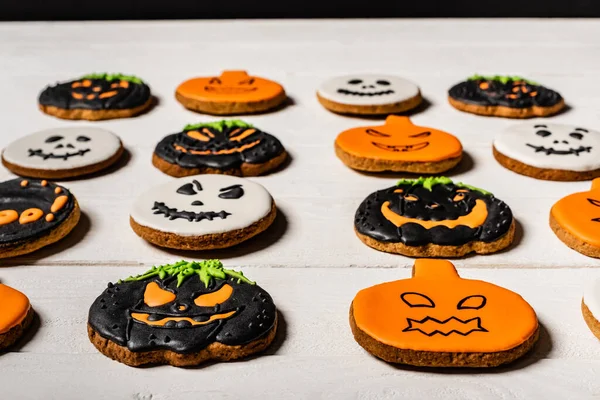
{"points": [[231, 192], [53, 139], [215, 81], [155, 296], [413, 299], [375, 133], [187, 189], [83, 138], [474, 302], [198, 136], [214, 298], [421, 135], [594, 202]]}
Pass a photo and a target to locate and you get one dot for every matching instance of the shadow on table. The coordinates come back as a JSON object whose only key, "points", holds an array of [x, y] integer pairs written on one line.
{"points": [[425, 104], [26, 337], [119, 164]]}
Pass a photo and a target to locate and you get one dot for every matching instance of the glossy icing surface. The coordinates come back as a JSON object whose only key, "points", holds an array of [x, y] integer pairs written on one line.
{"points": [[14, 306], [368, 89]]}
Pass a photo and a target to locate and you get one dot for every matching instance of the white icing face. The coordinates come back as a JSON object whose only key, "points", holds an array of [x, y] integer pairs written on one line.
{"points": [[368, 89], [551, 146], [202, 204], [63, 148], [591, 297]]}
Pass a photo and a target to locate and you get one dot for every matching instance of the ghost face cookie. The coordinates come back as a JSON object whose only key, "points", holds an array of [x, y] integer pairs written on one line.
{"points": [[398, 146], [232, 92], [16, 315], [62, 152], [182, 314], [230, 147], [34, 214], [365, 94], [547, 151], [438, 319], [434, 217], [96, 97], [504, 96], [203, 212]]}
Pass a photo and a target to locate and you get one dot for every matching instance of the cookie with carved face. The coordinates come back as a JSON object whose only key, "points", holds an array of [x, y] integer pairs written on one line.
{"points": [[368, 94], [202, 212], [230, 93], [434, 217], [548, 151], [230, 147], [62, 152], [96, 97], [438, 319], [182, 314], [505, 96]]}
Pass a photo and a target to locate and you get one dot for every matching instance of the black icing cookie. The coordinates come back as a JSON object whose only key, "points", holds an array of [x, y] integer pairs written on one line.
{"points": [[182, 314], [228, 146], [34, 214], [434, 217]]}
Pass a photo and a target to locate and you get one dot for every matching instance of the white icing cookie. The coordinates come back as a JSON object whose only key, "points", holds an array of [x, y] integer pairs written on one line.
{"points": [[551, 146], [202, 204], [63, 148], [368, 89], [591, 297]]}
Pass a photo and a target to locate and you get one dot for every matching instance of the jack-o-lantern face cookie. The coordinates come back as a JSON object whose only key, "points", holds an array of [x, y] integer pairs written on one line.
{"points": [[230, 147], [232, 92], [398, 146], [96, 97], [438, 319], [369, 94], [203, 212], [590, 306], [34, 214], [62, 152], [434, 217], [182, 314], [550, 151], [16, 315], [505, 96]]}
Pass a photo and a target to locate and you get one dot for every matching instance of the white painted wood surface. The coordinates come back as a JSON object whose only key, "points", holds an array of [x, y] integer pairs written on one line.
{"points": [[310, 261]]}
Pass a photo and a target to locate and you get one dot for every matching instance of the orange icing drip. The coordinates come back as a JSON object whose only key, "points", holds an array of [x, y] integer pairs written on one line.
{"points": [[155, 296], [214, 298], [14, 306], [49, 217], [57, 190], [30, 215], [24, 183], [141, 317], [108, 94], [44, 183], [474, 219], [59, 203], [8, 216]]}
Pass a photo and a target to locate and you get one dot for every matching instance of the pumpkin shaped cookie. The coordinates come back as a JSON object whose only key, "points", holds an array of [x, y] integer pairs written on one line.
{"points": [[434, 217], [230, 147], [182, 314], [438, 319], [97, 97], [398, 146], [16, 315], [505, 96], [590, 306], [232, 92]]}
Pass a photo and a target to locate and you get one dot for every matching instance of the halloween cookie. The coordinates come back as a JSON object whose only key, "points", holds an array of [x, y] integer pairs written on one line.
{"points": [[182, 314], [398, 146], [590, 306], [96, 97], [505, 96], [62, 152], [230, 147], [34, 214], [549, 151], [575, 219], [203, 212], [233, 92], [434, 217], [16, 315], [369, 94], [438, 319]]}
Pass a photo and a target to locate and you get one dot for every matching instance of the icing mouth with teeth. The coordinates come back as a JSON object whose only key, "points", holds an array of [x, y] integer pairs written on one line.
{"points": [[173, 213], [353, 93], [550, 150], [401, 147], [431, 326], [178, 322]]}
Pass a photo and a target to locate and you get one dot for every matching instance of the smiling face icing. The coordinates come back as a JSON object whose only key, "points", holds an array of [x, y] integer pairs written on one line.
{"points": [[202, 204], [551, 146], [368, 89], [63, 148]]}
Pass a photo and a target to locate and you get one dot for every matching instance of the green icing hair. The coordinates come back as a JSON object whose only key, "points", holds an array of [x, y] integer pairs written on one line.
{"points": [[219, 125], [206, 270], [429, 182], [500, 78], [113, 77]]}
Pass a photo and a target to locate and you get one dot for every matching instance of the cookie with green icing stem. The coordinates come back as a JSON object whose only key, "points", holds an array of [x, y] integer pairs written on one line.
{"points": [[505, 96], [182, 314], [96, 96], [434, 217], [230, 147]]}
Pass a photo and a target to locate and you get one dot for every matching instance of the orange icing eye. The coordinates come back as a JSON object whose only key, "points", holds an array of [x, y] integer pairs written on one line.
{"points": [[484, 86], [8, 216], [398, 191], [97, 89], [155, 296], [59, 203], [86, 83], [411, 197], [458, 197], [214, 298], [30, 215], [533, 94], [198, 136], [236, 136]]}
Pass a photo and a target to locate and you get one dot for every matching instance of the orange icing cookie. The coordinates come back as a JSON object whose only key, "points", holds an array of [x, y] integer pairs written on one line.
{"points": [[438, 311], [14, 306]]}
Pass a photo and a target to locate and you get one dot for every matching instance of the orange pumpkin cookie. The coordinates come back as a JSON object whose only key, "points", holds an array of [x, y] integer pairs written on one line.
{"points": [[16, 315], [233, 92], [438, 319], [398, 146], [575, 219]]}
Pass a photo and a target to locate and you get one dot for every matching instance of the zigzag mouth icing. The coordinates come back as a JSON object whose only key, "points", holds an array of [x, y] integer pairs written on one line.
{"points": [[66, 156], [550, 150], [174, 213], [431, 326], [228, 90], [369, 94], [168, 321]]}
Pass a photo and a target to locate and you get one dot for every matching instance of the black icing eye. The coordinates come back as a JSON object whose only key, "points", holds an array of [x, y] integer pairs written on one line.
{"points": [[354, 81], [83, 139], [474, 302], [543, 133], [247, 82], [383, 82], [215, 81], [576, 135], [413, 299], [53, 139], [187, 189], [231, 192], [375, 133]]}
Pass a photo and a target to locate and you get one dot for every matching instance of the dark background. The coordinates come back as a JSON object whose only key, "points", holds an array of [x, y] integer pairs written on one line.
{"points": [[192, 9]]}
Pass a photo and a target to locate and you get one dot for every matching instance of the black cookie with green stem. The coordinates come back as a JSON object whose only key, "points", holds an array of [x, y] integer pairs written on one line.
{"points": [[182, 314]]}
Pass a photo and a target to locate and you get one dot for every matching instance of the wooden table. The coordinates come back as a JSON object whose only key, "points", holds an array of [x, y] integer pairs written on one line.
{"points": [[310, 260]]}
